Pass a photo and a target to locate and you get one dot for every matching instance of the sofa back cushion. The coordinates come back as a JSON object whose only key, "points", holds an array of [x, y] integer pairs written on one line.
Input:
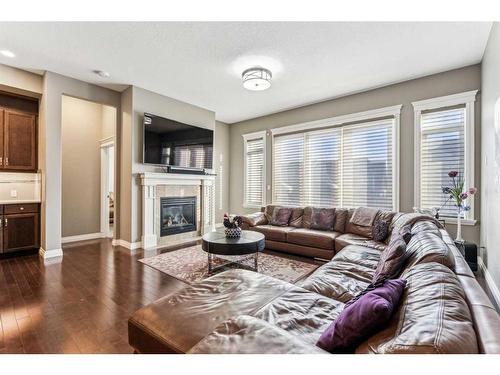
{"points": [[391, 261], [433, 316], [356, 229], [296, 217], [427, 247], [322, 218], [340, 219]]}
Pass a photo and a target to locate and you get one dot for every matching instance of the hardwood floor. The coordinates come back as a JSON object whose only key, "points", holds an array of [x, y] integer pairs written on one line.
{"points": [[79, 305]]}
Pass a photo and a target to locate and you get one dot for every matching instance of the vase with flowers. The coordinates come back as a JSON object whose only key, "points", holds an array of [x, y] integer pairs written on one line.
{"points": [[459, 195], [232, 224]]}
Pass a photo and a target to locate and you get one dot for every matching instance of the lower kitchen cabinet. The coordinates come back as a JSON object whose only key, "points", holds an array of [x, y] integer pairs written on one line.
{"points": [[19, 227]]}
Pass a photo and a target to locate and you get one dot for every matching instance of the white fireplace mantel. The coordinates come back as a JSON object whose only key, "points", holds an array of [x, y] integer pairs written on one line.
{"points": [[149, 182]]}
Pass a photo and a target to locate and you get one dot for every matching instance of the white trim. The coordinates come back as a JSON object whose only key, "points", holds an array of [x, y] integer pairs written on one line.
{"points": [[126, 244], [104, 192], [453, 220], [249, 137], [465, 98], [49, 254], [445, 101], [105, 142], [372, 114], [82, 237], [493, 288]]}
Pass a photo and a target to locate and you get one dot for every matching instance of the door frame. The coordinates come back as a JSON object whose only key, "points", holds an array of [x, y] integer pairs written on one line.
{"points": [[105, 146]]}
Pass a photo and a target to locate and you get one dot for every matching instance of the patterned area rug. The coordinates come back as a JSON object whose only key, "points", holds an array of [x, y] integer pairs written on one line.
{"points": [[191, 265]]}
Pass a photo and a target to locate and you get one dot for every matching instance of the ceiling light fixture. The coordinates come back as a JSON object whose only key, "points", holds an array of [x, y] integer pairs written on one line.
{"points": [[256, 79], [102, 73], [7, 53]]}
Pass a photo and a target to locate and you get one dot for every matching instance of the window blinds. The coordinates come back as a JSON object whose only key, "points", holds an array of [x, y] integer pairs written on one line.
{"points": [[254, 172], [345, 166], [442, 149]]}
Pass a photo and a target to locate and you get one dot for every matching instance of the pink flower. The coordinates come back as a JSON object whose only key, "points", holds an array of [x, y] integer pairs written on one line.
{"points": [[472, 190], [453, 173]]}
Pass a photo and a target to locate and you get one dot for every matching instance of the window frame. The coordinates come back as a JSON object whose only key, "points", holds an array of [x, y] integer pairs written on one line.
{"points": [[468, 99], [345, 121], [251, 137]]}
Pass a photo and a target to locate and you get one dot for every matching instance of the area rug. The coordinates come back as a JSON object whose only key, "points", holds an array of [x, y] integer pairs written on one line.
{"points": [[191, 265]]}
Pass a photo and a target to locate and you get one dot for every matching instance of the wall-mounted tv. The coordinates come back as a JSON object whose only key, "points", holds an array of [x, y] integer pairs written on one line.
{"points": [[172, 143]]}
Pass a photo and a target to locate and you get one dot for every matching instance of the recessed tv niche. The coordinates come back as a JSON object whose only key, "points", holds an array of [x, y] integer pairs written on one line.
{"points": [[172, 143]]}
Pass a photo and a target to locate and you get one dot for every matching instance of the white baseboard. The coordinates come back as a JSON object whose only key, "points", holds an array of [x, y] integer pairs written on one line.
{"points": [[82, 237], [54, 253], [126, 244], [495, 292]]}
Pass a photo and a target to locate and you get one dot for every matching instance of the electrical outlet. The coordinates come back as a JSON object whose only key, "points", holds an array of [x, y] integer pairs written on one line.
{"points": [[13, 193]]}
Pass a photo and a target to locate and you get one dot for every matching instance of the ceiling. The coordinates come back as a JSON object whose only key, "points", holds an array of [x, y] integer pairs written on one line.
{"points": [[201, 62]]}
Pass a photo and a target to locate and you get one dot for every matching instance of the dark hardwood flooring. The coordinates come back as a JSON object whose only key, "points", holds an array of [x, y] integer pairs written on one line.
{"points": [[79, 305]]}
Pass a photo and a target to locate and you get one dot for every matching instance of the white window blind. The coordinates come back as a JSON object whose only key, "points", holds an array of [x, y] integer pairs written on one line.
{"points": [[254, 172], [442, 149], [367, 178], [345, 166]]}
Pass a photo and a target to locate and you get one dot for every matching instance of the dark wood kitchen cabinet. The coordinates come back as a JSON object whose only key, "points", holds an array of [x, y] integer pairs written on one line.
{"points": [[19, 227], [18, 140]]}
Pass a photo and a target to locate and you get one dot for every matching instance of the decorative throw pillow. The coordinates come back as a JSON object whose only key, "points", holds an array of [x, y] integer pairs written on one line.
{"points": [[280, 217], [380, 230], [322, 218], [340, 219], [405, 232], [296, 217], [391, 260], [362, 318]]}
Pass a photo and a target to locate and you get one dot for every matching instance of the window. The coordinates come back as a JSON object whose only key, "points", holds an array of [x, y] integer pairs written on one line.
{"points": [[444, 141], [342, 166], [254, 178]]}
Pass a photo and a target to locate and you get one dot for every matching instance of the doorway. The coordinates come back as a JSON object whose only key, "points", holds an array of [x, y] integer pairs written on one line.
{"points": [[107, 188]]}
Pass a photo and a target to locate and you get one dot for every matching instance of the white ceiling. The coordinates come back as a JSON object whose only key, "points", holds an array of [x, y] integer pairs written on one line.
{"points": [[201, 63]]}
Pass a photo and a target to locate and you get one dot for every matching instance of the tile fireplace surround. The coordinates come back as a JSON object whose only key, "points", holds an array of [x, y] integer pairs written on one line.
{"points": [[159, 185]]}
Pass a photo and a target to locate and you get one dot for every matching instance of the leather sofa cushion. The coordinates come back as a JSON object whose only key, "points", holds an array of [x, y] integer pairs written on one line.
{"points": [[301, 313], [296, 217], [251, 220], [357, 229], [426, 247], [425, 226], [433, 316], [346, 275], [177, 322], [340, 219], [248, 335], [307, 251], [355, 239], [312, 237], [307, 218], [273, 233]]}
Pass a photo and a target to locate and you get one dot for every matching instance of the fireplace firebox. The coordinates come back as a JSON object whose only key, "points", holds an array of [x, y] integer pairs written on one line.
{"points": [[177, 215]]}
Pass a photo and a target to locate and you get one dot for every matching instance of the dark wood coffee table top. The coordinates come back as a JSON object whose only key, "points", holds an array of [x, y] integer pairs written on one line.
{"points": [[216, 243]]}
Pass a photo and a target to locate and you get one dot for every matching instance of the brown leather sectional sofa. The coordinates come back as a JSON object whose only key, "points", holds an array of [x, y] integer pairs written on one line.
{"points": [[443, 309], [298, 238]]}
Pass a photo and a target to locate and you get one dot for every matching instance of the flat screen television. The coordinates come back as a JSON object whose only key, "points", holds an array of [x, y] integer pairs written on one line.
{"points": [[172, 143]]}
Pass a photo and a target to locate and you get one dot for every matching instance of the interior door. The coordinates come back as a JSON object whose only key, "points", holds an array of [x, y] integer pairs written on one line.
{"points": [[2, 115], [19, 141], [20, 231]]}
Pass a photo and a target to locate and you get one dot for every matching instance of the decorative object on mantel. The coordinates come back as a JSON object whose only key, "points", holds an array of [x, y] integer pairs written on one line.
{"points": [[459, 195], [232, 223]]}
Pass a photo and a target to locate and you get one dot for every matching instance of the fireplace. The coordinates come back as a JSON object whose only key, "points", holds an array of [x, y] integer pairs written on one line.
{"points": [[177, 215]]}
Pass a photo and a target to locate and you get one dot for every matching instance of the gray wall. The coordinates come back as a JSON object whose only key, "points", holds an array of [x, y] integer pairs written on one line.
{"points": [[135, 102], [451, 82], [84, 125], [50, 147], [490, 162], [221, 167]]}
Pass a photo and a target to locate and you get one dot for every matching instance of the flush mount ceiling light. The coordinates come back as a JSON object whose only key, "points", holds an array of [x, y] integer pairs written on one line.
{"points": [[7, 53], [256, 79], [102, 73]]}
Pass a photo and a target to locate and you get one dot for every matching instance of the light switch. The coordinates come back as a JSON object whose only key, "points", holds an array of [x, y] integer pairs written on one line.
{"points": [[13, 193]]}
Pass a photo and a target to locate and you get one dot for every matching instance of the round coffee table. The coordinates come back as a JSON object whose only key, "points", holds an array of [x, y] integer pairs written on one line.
{"points": [[216, 243]]}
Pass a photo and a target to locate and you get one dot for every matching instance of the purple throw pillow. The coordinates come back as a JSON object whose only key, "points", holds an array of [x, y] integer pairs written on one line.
{"points": [[362, 318], [380, 230]]}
